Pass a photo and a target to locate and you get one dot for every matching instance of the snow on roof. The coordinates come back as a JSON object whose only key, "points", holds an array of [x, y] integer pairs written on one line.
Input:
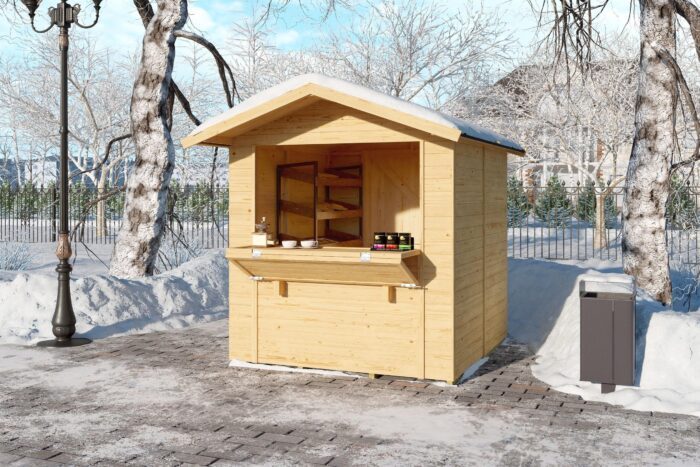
{"points": [[467, 129]]}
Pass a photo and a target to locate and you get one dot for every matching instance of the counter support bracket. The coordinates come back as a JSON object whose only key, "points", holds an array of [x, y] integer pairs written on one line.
{"points": [[391, 293], [282, 288]]}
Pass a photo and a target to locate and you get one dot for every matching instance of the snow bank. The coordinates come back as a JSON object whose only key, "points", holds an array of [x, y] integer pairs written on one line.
{"points": [[544, 314], [106, 306]]}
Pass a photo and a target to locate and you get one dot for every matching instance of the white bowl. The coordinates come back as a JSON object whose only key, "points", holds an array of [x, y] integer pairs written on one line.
{"points": [[289, 243], [309, 243]]}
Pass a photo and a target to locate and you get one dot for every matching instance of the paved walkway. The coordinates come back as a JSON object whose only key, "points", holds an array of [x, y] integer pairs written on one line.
{"points": [[168, 398]]}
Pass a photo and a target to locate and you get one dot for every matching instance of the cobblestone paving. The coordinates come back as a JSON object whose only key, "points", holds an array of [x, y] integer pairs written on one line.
{"points": [[169, 398]]}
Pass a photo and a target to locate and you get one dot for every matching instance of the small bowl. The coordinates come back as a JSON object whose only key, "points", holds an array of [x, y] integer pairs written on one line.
{"points": [[309, 243], [289, 243]]}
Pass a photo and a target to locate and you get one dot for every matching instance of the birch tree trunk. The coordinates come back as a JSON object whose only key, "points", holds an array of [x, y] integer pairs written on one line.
{"points": [[101, 208], [147, 187], [648, 175]]}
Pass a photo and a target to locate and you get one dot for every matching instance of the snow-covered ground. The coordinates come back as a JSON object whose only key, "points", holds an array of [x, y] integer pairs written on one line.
{"points": [[105, 305], [576, 242], [544, 313]]}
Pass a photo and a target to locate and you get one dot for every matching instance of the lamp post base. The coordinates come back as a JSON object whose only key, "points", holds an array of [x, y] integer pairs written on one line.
{"points": [[75, 342]]}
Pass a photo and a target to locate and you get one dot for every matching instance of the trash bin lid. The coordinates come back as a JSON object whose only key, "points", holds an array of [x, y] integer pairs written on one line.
{"points": [[607, 283]]}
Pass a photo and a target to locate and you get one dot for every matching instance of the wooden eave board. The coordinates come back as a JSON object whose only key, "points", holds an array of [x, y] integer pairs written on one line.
{"points": [[223, 133], [489, 145], [326, 265]]}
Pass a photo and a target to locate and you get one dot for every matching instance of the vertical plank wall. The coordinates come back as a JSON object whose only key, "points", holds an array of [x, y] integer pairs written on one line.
{"points": [[438, 259], [392, 191], [495, 248], [469, 255], [481, 264], [242, 323]]}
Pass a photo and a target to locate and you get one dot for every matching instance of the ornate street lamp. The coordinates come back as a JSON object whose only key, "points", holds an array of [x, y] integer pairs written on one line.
{"points": [[63, 16]]}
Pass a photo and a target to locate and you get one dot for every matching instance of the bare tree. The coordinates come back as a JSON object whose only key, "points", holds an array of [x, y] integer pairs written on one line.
{"points": [[416, 51], [99, 91], [258, 64], [661, 87], [419, 51], [153, 100], [203, 91], [142, 227], [251, 53], [152, 117], [582, 127]]}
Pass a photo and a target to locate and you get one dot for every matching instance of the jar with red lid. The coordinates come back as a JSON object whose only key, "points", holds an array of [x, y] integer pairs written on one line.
{"points": [[392, 241]]}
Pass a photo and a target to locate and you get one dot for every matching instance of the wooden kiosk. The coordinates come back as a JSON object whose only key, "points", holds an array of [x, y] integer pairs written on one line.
{"points": [[322, 158]]}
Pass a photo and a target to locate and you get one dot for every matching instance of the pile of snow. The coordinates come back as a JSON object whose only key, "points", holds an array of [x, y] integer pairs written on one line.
{"points": [[105, 306], [544, 314]]}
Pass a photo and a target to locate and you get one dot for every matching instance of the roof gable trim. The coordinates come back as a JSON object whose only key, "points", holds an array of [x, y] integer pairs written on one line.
{"points": [[286, 97], [320, 92]]}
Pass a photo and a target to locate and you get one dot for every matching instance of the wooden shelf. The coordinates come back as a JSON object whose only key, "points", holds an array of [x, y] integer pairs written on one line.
{"points": [[329, 178], [330, 215], [340, 182], [323, 208], [323, 212], [297, 208], [336, 265]]}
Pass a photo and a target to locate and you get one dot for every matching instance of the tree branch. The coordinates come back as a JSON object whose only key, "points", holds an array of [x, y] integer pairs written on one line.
{"points": [[678, 76], [91, 204], [613, 185], [105, 158], [572, 31], [175, 89], [691, 14], [145, 10], [221, 64]]}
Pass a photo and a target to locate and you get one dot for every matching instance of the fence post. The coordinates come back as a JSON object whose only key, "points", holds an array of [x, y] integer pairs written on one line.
{"points": [[54, 199]]}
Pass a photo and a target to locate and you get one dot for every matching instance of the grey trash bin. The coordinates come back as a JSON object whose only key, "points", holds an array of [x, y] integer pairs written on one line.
{"points": [[607, 330]]}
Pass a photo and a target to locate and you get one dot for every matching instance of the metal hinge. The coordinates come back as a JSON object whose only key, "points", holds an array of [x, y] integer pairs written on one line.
{"points": [[257, 278]]}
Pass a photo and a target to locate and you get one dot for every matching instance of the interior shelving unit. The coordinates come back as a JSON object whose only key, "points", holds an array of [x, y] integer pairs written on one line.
{"points": [[326, 210]]}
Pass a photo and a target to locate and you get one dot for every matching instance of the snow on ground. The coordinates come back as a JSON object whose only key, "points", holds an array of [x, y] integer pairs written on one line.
{"points": [[105, 305], [544, 314]]}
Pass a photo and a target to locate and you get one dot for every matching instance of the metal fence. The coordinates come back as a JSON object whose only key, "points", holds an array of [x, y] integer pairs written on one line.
{"points": [[569, 232], [29, 214], [562, 230]]}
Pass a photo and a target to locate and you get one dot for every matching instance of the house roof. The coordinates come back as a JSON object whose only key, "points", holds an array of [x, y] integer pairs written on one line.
{"points": [[297, 91]]}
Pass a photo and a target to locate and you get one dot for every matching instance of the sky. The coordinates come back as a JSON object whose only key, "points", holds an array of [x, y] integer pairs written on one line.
{"points": [[298, 26], [293, 28]]}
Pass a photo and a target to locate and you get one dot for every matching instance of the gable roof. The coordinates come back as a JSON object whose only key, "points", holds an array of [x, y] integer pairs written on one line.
{"points": [[298, 90]]}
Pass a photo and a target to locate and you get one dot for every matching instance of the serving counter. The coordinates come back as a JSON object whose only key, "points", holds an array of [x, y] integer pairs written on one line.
{"points": [[333, 265], [331, 307]]}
